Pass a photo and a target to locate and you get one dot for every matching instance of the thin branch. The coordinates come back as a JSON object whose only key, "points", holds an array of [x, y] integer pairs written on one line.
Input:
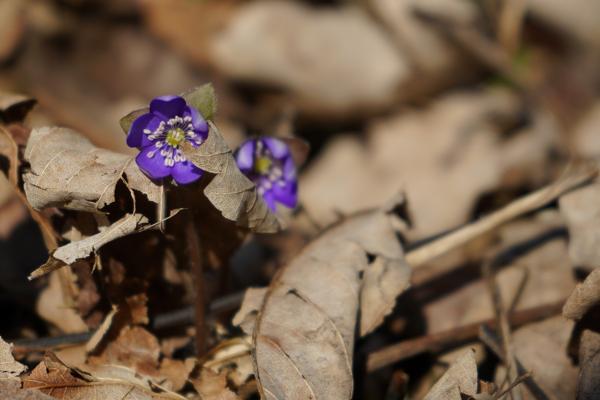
{"points": [[453, 337], [489, 338], [503, 324], [533, 201]]}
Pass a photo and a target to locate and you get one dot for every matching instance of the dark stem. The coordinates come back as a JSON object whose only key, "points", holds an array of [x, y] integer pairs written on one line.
{"points": [[196, 260]]}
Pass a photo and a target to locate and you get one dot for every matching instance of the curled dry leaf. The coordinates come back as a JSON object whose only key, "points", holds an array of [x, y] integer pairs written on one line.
{"points": [[461, 378], [11, 389], [74, 251], [304, 332], [53, 377], [68, 171], [585, 296], [233, 194], [581, 209], [9, 368]]}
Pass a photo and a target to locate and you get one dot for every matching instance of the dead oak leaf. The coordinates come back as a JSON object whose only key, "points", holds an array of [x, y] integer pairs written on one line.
{"points": [[585, 296], [78, 250], [9, 368], [53, 377], [304, 331], [460, 378], [68, 171]]}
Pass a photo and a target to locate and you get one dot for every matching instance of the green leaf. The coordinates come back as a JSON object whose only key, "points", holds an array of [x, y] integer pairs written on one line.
{"points": [[203, 99], [127, 120]]}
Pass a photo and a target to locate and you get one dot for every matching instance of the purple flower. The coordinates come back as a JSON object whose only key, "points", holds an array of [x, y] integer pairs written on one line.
{"points": [[159, 134], [268, 163]]}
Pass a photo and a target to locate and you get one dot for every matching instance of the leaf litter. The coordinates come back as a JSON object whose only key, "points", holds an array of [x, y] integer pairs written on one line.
{"points": [[466, 110]]}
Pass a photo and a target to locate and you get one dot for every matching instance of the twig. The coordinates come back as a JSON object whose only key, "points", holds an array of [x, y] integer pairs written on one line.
{"points": [[196, 268], [172, 319], [510, 24], [537, 199], [489, 338], [516, 382], [453, 337], [503, 324]]}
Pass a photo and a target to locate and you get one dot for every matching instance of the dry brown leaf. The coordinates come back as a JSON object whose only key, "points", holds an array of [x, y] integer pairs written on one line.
{"points": [[581, 209], [51, 306], [304, 333], [12, 26], [135, 348], [461, 377], [74, 251], [293, 35], [9, 368], [176, 372], [101, 332], [68, 171], [585, 296], [11, 389], [589, 360], [233, 194], [213, 386], [545, 269], [542, 349], [465, 155], [53, 377]]}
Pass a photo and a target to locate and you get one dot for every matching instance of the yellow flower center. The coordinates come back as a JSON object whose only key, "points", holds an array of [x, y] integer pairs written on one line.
{"points": [[262, 165], [175, 137]]}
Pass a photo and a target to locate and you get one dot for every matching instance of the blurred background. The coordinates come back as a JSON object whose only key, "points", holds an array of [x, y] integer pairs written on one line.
{"points": [[462, 104]]}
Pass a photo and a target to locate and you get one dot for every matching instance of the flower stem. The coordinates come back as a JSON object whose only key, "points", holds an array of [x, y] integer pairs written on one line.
{"points": [[196, 267]]}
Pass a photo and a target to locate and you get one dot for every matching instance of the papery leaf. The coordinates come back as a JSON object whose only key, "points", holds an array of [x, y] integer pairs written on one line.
{"points": [[461, 377], [304, 332], [585, 296], [74, 251], [9, 368], [204, 99], [233, 194], [68, 171], [53, 377], [581, 210]]}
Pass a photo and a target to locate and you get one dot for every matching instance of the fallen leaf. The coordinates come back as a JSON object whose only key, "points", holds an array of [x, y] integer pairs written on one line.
{"points": [[135, 348], [304, 333], [176, 372], [9, 368], [68, 171], [466, 155], [53, 377], [542, 348], [213, 386], [74, 251], [51, 306], [589, 361], [581, 210], [461, 378], [585, 296], [12, 26], [11, 389], [233, 194], [293, 35]]}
